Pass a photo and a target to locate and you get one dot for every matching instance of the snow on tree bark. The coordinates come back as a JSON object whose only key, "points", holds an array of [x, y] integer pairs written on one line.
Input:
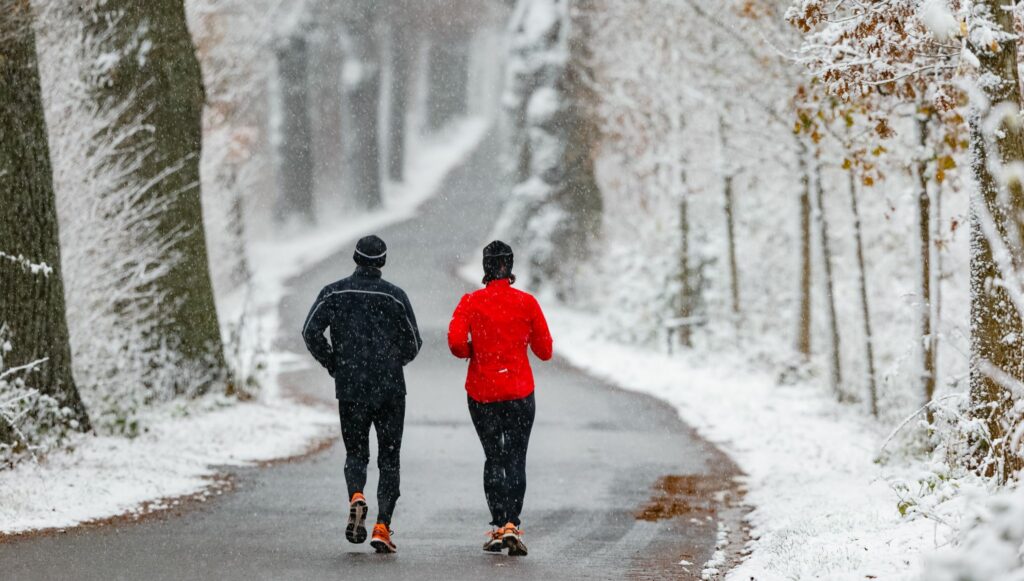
{"points": [[31, 303], [157, 69], [997, 332]]}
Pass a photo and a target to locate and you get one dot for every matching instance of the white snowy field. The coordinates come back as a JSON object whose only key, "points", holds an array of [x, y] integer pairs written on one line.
{"points": [[822, 507], [187, 443]]}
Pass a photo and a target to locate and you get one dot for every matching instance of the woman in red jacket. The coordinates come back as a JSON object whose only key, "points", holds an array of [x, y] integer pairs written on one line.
{"points": [[492, 328]]}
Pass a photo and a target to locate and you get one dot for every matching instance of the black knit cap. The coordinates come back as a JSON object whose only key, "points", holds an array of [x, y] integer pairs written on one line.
{"points": [[498, 261], [371, 251]]}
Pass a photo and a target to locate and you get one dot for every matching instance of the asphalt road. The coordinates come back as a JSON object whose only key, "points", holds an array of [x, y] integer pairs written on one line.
{"points": [[595, 455]]}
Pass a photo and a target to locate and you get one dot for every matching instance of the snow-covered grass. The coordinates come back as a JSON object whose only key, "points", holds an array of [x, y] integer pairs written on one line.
{"points": [[185, 442], [100, 477], [822, 507], [989, 546]]}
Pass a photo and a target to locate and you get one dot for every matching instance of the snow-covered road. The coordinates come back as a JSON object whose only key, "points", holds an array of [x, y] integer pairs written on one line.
{"points": [[595, 457]]}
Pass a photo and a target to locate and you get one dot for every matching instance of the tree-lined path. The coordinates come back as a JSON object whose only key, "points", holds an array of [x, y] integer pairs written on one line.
{"points": [[596, 452]]}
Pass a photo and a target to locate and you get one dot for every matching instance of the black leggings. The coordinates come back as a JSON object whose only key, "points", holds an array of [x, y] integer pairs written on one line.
{"points": [[388, 417], [504, 429]]}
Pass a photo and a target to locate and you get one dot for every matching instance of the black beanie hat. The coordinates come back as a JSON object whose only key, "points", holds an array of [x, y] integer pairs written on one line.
{"points": [[371, 251], [498, 260]]}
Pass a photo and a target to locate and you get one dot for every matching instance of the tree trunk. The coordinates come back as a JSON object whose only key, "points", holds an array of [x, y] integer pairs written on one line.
{"points": [[327, 108], [439, 93], [364, 102], [996, 329], [449, 83], [835, 366], [730, 224], [158, 70], [460, 79], [401, 76], [803, 334], [295, 156], [686, 290], [925, 249], [869, 340], [734, 271], [31, 303], [937, 276]]}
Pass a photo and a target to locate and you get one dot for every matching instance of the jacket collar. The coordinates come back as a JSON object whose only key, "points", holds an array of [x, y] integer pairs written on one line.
{"points": [[367, 272], [499, 283]]}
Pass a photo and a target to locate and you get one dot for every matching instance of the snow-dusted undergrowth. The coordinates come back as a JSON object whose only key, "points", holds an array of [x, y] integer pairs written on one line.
{"points": [[991, 543], [823, 508], [31, 421]]}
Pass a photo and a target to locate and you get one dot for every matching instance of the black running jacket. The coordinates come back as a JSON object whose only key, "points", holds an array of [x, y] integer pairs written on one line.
{"points": [[373, 335]]}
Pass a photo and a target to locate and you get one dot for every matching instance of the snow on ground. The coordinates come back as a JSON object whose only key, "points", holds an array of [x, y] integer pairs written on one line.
{"points": [[106, 476], [185, 443], [822, 507]]}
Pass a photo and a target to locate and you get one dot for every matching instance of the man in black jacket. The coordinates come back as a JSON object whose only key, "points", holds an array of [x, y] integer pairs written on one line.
{"points": [[373, 335]]}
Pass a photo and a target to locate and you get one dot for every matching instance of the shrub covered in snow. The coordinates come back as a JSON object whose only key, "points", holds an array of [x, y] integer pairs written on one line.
{"points": [[31, 422], [990, 546], [554, 211]]}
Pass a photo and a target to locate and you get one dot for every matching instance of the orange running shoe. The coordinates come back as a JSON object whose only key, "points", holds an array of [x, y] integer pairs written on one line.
{"points": [[512, 539], [381, 541], [355, 532], [495, 540]]}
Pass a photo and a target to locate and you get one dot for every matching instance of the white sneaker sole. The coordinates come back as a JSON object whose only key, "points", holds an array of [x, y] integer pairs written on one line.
{"points": [[355, 532]]}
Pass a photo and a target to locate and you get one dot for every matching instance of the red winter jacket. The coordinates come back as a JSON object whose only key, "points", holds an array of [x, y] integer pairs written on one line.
{"points": [[502, 321]]}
